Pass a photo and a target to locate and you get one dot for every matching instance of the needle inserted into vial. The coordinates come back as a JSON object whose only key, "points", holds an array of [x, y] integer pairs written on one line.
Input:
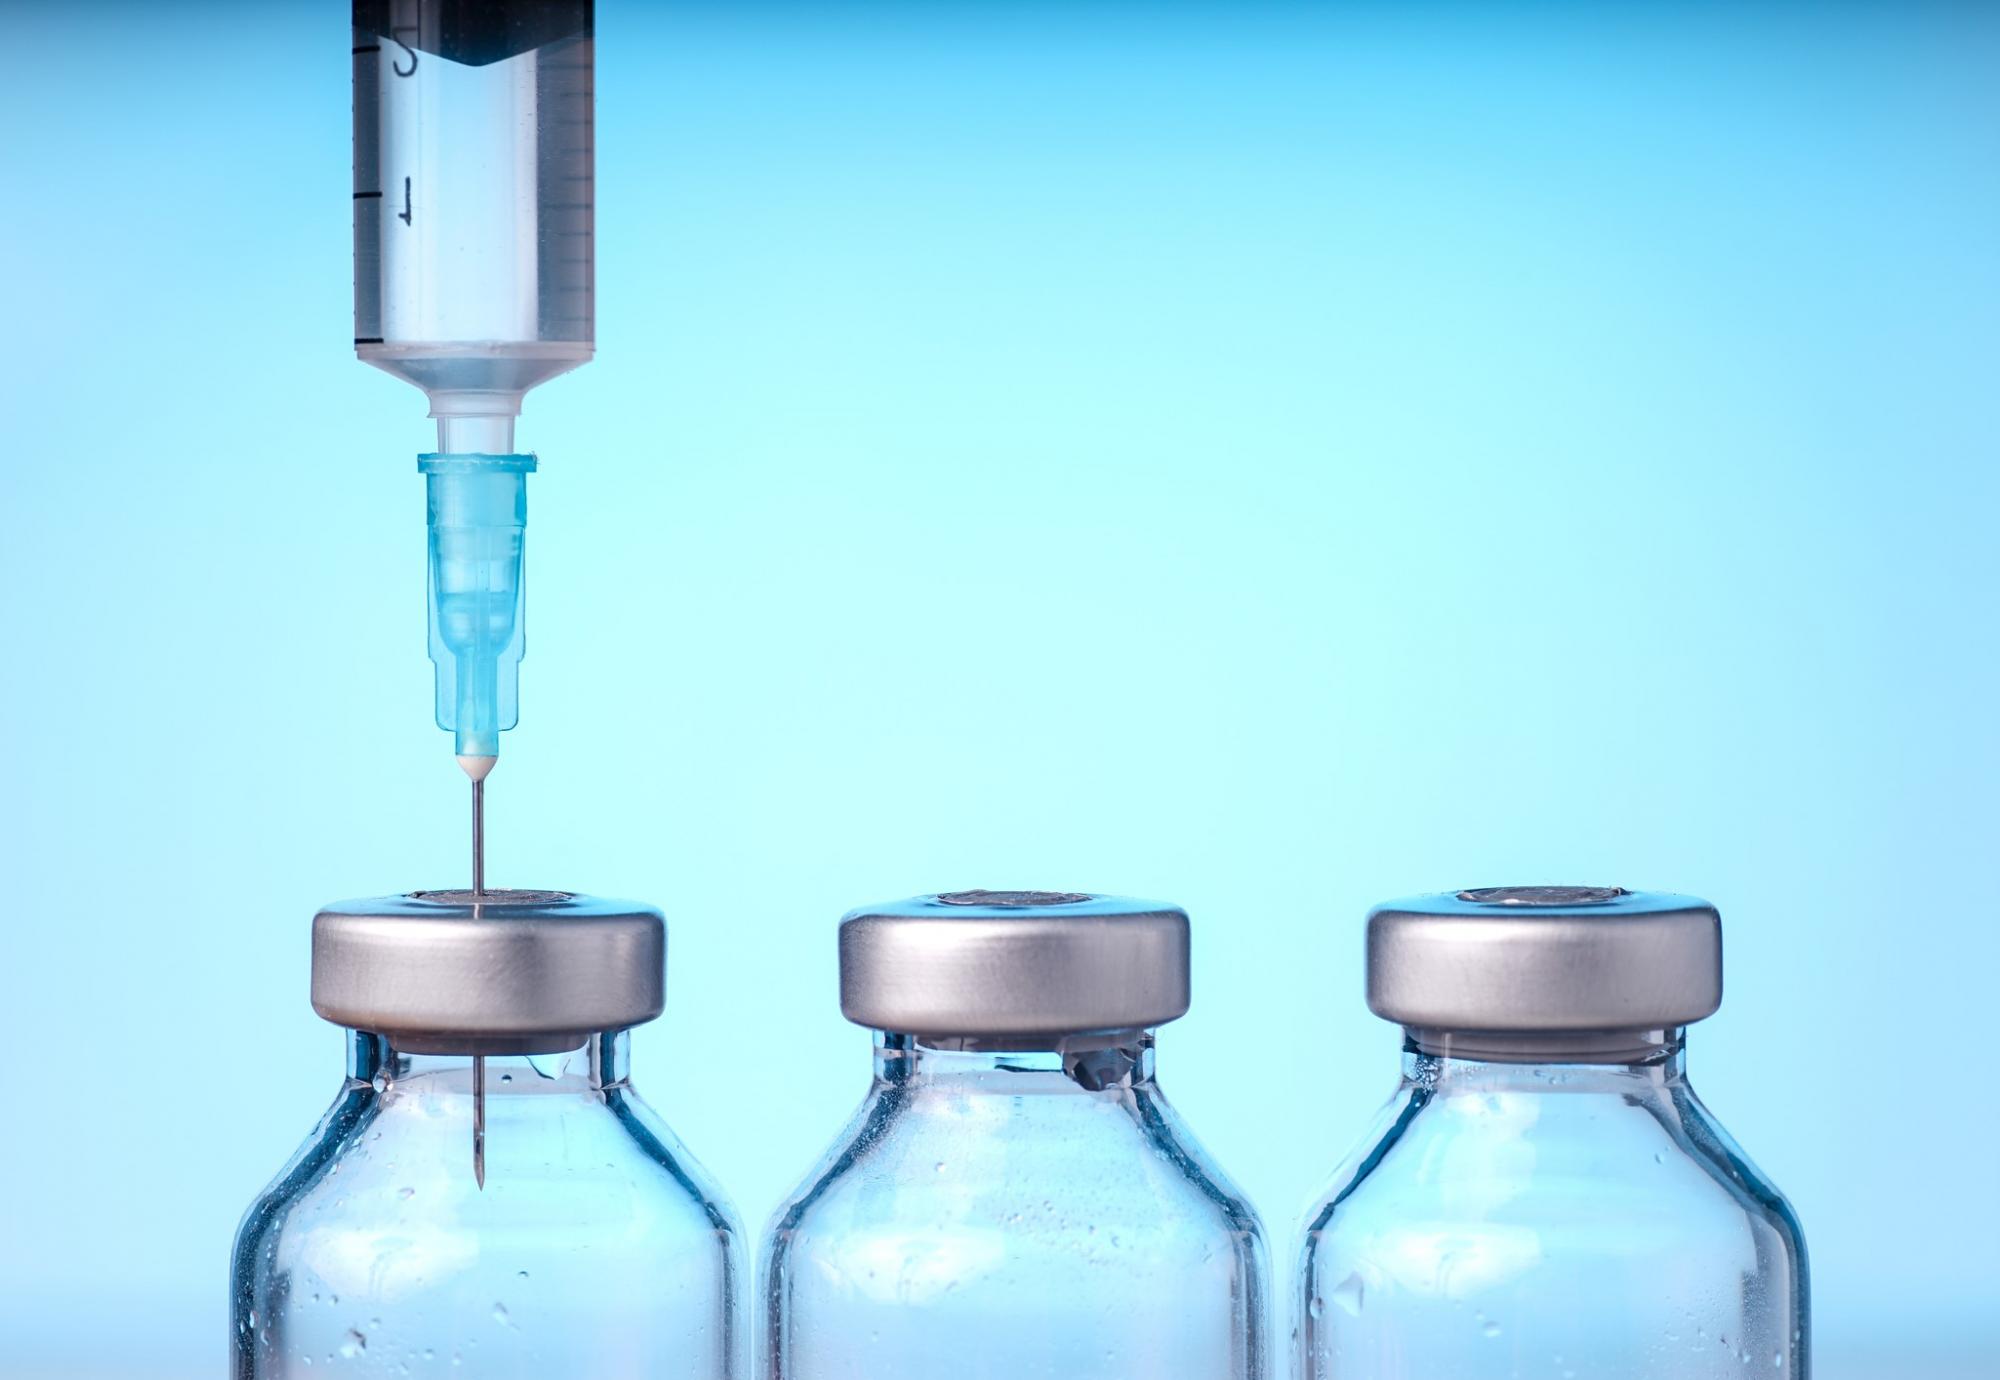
{"points": [[479, 1120], [477, 768]]}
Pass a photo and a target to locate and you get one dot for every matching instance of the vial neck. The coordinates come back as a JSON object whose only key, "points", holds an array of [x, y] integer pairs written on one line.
{"points": [[1448, 1062], [602, 1062], [1010, 1066]]}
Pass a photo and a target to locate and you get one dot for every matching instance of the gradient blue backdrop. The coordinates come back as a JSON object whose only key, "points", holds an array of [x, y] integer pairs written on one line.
{"points": [[1271, 458]]}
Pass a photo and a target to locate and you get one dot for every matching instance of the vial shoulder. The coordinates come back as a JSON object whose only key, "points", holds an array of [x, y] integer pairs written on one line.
{"points": [[1625, 1174], [1708, 1143], [381, 1168], [1117, 1166], [1363, 1157]]}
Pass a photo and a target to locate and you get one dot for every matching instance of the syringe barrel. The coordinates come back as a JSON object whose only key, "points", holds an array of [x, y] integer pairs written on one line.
{"points": [[474, 246], [478, 508]]}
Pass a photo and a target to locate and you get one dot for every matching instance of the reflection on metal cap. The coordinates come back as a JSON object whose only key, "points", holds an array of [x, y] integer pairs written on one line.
{"points": [[1022, 964], [504, 972], [1547, 959]]}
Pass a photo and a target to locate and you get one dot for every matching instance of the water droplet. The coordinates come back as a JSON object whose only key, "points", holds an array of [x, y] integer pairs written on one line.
{"points": [[353, 1344], [520, 1274], [1349, 1295], [939, 1166], [1659, 1157], [406, 1193], [501, 1316], [1489, 1328], [1778, 1360], [1317, 1307]]}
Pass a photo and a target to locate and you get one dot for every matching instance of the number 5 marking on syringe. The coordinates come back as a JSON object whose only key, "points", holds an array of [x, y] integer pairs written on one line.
{"points": [[397, 67]]}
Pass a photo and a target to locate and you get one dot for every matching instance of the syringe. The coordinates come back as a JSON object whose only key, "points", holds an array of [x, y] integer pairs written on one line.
{"points": [[474, 280]]}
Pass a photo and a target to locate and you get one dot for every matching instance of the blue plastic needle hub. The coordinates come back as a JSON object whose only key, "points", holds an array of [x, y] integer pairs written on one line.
{"points": [[478, 525]]}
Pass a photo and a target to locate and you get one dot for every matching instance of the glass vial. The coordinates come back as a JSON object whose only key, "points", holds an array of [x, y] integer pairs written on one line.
{"points": [[1015, 1196], [1545, 1195], [488, 1195]]}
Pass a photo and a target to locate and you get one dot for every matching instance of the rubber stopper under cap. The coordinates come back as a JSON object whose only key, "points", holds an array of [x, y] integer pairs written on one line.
{"points": [[500, 972], [1022, 964], [1545, 959]]}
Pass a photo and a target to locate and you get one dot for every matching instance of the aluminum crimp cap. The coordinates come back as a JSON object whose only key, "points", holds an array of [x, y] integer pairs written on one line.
{"points": [[503, 972], [1033, 964], [1550, 959]]}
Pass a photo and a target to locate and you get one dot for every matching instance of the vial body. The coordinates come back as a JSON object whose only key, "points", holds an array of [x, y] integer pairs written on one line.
{"points": [[1556, 1219], [1000, 1215], [474, 195], [595, 1247]]}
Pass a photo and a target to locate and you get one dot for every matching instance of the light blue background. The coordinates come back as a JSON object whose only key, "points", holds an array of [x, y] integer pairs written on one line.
{"points": [[1269, 458]]}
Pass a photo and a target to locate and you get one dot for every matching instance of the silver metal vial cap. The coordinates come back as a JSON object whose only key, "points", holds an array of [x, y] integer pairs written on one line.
{"points": [[1545, 959], [502, 972], [1028, 965]]}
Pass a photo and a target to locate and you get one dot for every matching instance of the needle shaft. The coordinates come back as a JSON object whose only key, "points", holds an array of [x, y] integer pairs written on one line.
{"points": [[479, 1120], [478, 838]]}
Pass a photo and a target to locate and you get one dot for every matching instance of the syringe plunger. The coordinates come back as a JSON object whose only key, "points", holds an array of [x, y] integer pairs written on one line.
{"points": [[478, 525]]}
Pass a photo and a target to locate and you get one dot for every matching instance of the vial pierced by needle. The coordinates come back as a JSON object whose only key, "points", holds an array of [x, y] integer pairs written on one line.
{"points": [[479, 1121]]}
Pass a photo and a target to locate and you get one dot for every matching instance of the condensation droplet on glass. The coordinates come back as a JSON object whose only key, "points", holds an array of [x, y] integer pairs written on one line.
{"points": [[353, 1344], [501, 1316]]}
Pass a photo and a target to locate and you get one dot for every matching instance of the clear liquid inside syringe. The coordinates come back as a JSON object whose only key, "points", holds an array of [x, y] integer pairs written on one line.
{"points": [[474, 202]]}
